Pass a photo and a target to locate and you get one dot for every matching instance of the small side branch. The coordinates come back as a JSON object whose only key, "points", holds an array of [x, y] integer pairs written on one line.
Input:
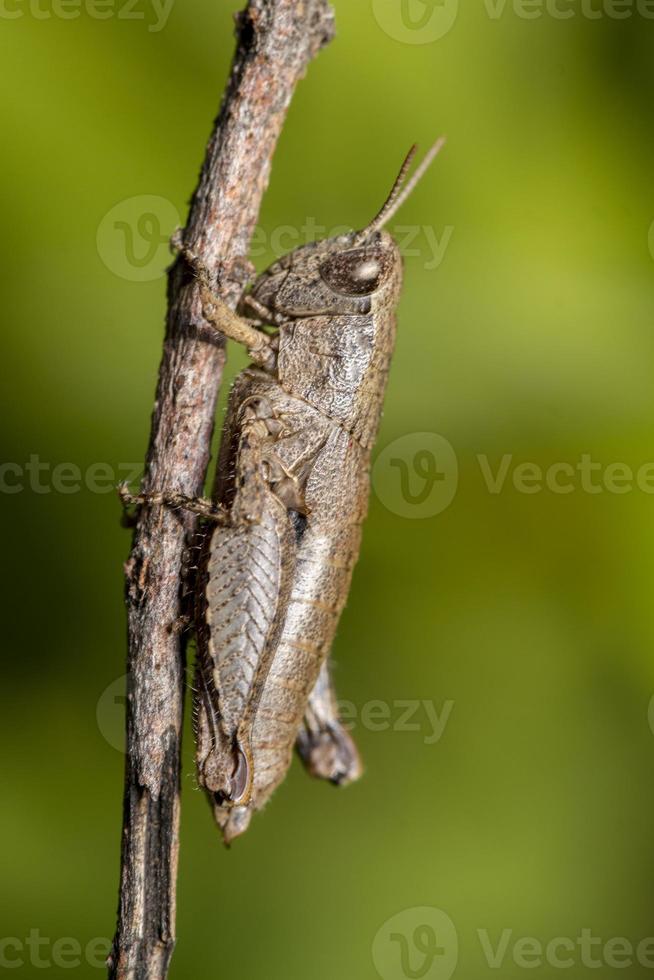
{"points": [[276, 40]]}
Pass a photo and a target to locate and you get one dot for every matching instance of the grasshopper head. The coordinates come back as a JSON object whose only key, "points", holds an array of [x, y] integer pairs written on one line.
{"points": [[346, 274], [333, 276]]}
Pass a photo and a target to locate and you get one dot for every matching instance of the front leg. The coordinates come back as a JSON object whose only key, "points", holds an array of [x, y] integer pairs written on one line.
{"points": [[223, 319], [176, 501]]}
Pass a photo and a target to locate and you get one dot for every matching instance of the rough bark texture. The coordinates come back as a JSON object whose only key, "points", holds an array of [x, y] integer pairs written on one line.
{"points": [[276, 39]]}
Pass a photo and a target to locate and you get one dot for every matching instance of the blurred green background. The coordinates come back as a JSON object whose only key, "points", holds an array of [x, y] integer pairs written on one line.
{"points": [[530, 339]]}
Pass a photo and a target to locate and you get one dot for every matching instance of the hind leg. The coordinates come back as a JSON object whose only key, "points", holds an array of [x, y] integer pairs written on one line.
{"points": [[325, 746]]}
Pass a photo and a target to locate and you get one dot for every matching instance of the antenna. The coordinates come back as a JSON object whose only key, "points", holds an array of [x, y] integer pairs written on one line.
{"points": [[399, 194]]}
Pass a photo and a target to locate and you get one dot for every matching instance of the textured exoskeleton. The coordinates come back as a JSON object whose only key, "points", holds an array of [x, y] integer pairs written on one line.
{"points": [[293, 476], [291, 495]]}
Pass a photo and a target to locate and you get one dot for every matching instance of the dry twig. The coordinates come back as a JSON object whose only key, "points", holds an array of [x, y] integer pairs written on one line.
{"points": [[276, 39]]}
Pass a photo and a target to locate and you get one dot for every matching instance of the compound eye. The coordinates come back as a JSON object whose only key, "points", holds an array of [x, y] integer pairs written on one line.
{"points": [[358, 272]]}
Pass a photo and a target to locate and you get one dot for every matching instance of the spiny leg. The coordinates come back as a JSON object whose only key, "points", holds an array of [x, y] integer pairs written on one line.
{"points": [[237, 328], [323, 743], [176, 501], [263, 314]]}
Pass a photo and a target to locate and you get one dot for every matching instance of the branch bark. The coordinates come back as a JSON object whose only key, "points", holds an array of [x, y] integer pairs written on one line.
{"points": [[276, 40]]}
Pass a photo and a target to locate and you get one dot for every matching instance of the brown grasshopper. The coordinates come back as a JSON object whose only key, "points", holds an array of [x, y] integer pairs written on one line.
{"points": [[291, 495]]}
